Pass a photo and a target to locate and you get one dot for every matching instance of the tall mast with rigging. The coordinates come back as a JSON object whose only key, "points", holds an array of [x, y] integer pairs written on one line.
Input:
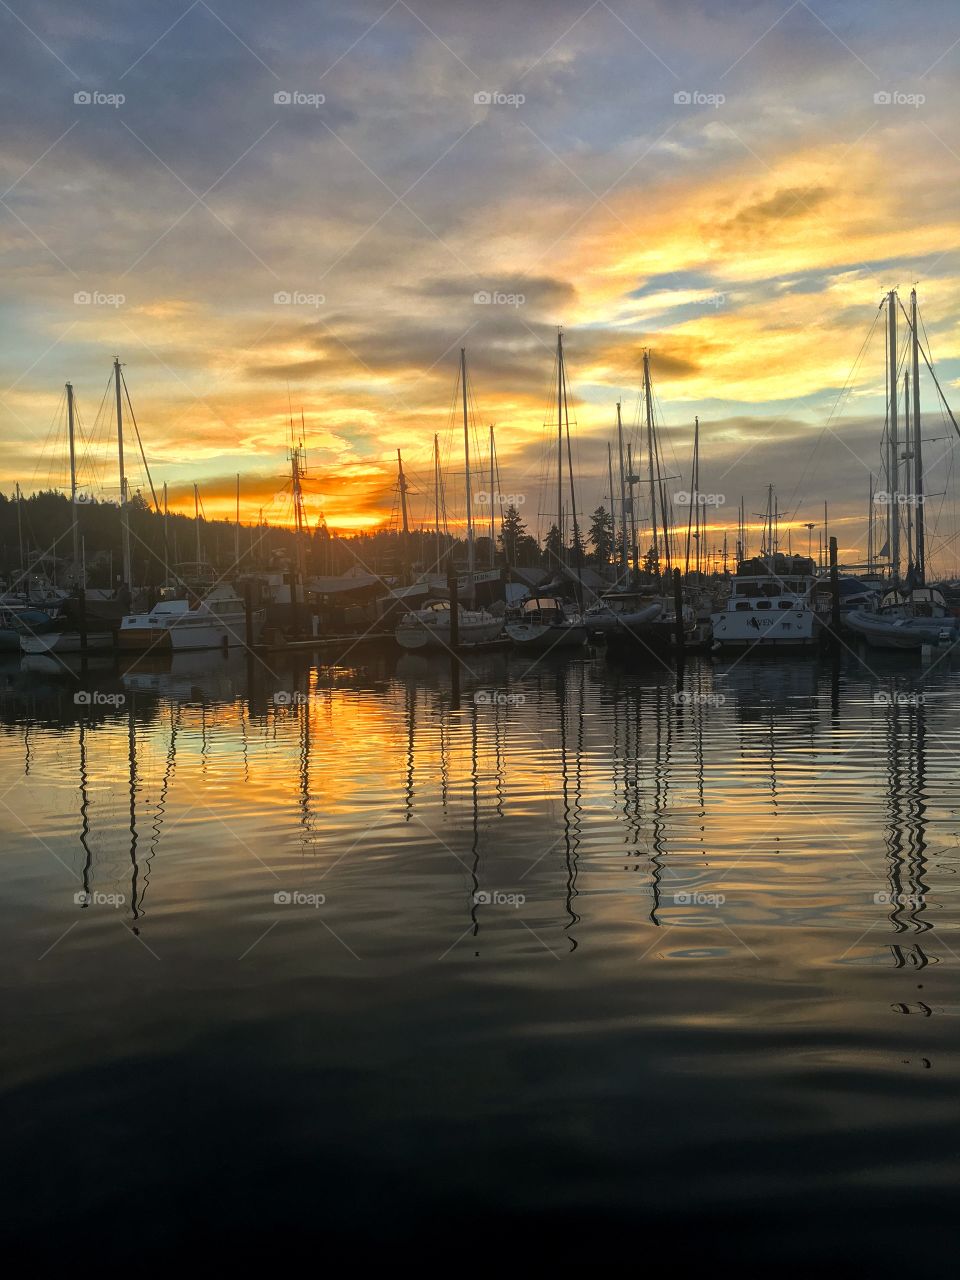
{"points": [[694, 504], [436, 496], [124, 514], [196, 525], [405, 524], [166, 536], [632, 479], [893, 443], [73, 475], [466, 463], [493, 495], [908, 458], [613, 509], [577, 553], [623, 495], [559, 448], [921, 550], [651, 462]]}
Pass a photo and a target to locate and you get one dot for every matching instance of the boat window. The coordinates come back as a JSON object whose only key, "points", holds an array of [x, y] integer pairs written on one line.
{"points": [[743, 605], [771, 588], [764, 604], [784, 604]]}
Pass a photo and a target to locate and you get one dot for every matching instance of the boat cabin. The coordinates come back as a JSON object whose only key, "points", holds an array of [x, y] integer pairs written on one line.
{"points": [[545, 610], [921, 602], [768, 593], [621, 602]]}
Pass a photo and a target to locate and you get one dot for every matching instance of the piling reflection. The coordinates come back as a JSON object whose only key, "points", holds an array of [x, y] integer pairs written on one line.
{"points": [[791, 792]]}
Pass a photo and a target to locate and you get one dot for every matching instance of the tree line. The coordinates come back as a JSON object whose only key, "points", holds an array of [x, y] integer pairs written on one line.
{"points": [[37, 534]]}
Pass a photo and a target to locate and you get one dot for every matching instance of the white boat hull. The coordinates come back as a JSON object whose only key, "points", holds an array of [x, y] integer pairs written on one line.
{"points": [[419, 636], [65, 642], [537, 636], [776, 629], [901, 633], [190, 631], [604, 621]]}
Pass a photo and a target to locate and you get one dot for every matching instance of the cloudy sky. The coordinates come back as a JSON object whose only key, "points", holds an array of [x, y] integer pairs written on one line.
{"points": [[717, 182]]}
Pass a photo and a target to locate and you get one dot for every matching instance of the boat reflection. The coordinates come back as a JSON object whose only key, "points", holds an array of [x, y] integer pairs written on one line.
{"points": [[515, 785]]}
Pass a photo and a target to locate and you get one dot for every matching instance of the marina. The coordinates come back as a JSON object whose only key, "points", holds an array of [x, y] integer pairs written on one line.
{"points": [[480, 635], [434, 594]]}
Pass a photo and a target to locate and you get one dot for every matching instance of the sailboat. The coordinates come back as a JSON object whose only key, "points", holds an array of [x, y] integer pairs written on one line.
{"points": [[647, 623], [906, 620], [431, 627], [544, 623], [616, 610], [106, 614], [18, 622], [911, 614]]}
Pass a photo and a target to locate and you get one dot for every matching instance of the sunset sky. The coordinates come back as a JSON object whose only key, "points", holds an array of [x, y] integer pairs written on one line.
{"points": [[746, 237]]}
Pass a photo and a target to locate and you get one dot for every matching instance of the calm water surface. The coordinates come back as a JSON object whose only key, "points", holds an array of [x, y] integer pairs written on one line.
{"points": [[568, 959]]}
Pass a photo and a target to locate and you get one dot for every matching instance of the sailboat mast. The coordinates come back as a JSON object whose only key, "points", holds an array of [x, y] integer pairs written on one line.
{"points": [[700, 552], [166, 536], [196, 523], [73, 474], [577, 554], [405, 526], [699, 513], [631, 475], [493, 495], [613, 516], [124, 520], [664, 518], [20, 530], [651, 460], [893, 452], [908, 457], [870, 526], [921, 550], [402, 482], [693, 495], [623, 495], [436, 494], [466, 464], [559, 447], [236, 528]]}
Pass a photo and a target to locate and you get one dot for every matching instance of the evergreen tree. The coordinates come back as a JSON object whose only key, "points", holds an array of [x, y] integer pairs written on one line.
{"points": [[511, 532], [551, 547], [601, 535], [578, 548]]}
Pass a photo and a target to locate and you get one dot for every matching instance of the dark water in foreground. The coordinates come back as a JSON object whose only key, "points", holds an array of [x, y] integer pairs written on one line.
{"points": [[597, 966]]}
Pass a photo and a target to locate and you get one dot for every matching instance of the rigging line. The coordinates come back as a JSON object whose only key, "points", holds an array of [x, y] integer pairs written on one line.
{"points": [[928, 361], [844, 390], [99, 434], [53, 432], [84, 454], [136, 429]]}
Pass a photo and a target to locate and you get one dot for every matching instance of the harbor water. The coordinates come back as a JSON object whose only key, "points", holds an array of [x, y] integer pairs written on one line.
{"points": [[542, 955]]}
